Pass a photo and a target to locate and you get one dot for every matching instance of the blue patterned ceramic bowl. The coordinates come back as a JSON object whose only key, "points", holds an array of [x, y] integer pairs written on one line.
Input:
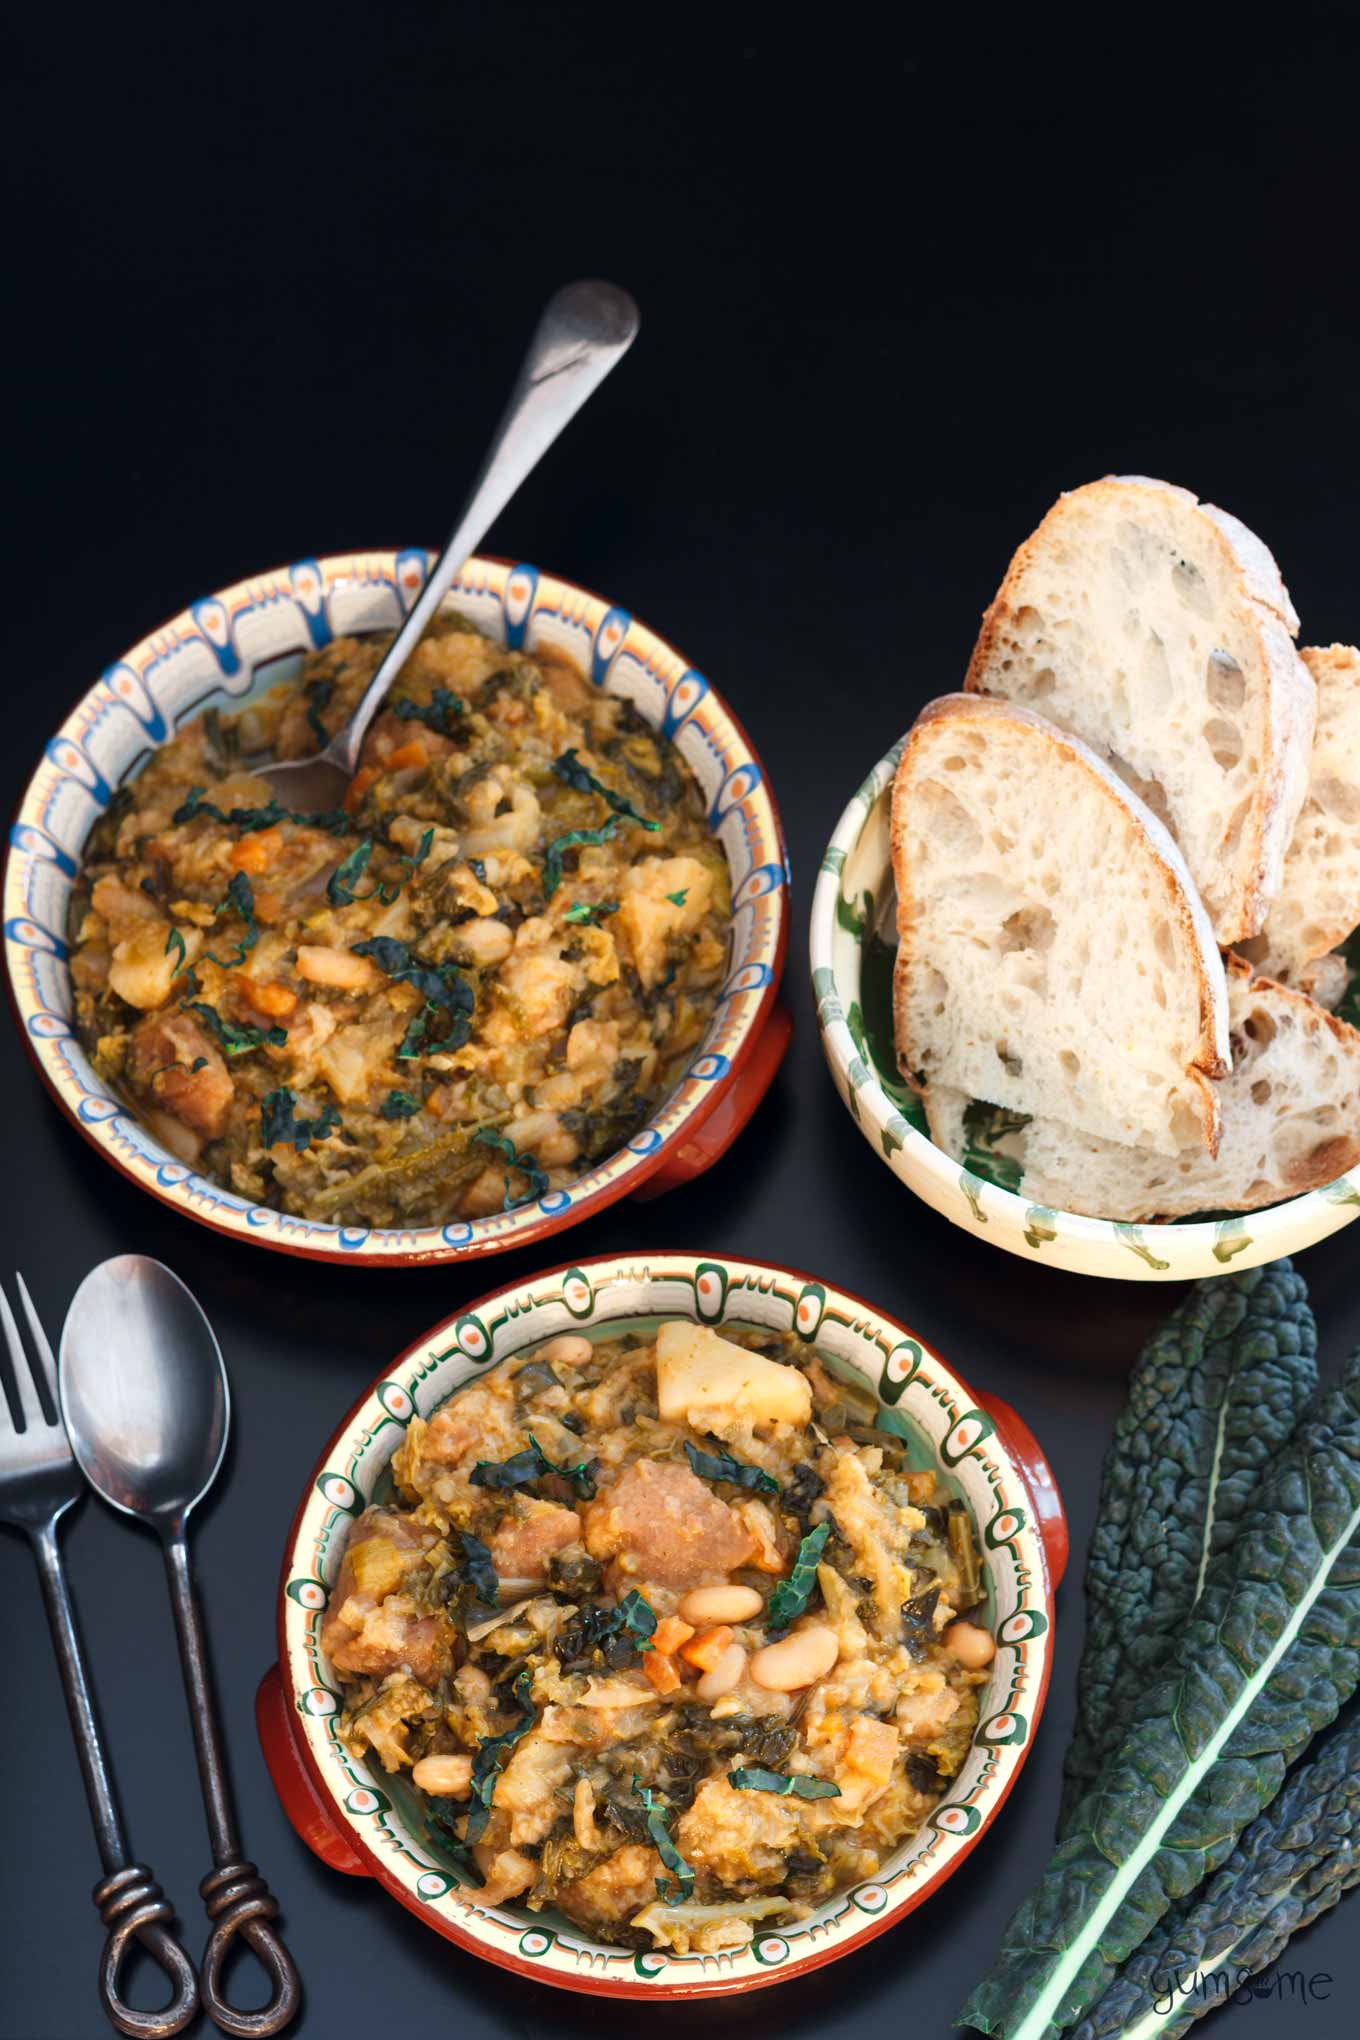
{"points": [[229, 646], [853, 943]]}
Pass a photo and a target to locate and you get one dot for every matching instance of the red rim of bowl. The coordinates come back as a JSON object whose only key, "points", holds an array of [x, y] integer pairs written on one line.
{"points": [[587, 1985], [548, 1223]]}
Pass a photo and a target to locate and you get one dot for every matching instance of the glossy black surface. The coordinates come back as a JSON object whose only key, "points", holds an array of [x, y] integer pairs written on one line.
{"points": [[273, 284]]}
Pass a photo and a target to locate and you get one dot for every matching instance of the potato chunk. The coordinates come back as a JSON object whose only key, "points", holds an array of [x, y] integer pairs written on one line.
{"points": [[699, 1374]]}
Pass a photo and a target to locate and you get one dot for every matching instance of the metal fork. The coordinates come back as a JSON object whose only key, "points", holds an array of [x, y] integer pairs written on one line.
{"points": [[39, 1480]]}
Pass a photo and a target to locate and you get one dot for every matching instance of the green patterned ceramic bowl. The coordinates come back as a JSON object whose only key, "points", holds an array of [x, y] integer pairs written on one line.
{"points": [[366, 1824], [853, 941]]}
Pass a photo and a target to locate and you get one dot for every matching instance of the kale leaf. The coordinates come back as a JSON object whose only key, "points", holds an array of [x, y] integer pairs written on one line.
{"points": [[1264, 1660], [722, 1466], [752, 1778], [437, 714], [278, 1121], [399, 1105], [792, 1595], [1216, 1389], [583, 780], [486, 1136], [492, 1752], [673, 1891], [237, 1040], [524, 1469]]}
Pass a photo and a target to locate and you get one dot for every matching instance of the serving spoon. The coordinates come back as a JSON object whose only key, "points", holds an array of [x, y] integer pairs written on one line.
{"points": [[145, 1403], [584, 330]]}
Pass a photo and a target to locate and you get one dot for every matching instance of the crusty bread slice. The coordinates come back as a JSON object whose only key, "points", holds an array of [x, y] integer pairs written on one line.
{"points": [[1158, 629], [1291, 1121], [1053, 954], [1318, 903]]}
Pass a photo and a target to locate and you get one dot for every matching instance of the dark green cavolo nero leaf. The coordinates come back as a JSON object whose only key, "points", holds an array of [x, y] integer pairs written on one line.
{"points": [[525, 1469], [572, 839], [250, 819], [588, 912], [1269, 1654], [279, 1121], [579, 776], [792, 1595], [342, 883], [1216, 1389], [237, 1040], [674, 1890], [399, 1105], [1293, 1863], [240, 900], [439, 713], [722, 1466], [753, 1779], [486, 1136], [493, 1752], [479, 1569]]}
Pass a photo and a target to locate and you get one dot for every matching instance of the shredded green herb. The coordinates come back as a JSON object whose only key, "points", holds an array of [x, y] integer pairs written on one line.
{"points": [[239, 900], [317, 693], [422, 850], [525, 1469], [279, 1121], [677, 899], [572, 840], [250, 819], [237, 1040], [638, 1617], [479, 1569], [756, 1779], [486, 1136], [399, 1105], [590, 911], [437, 714], [449, 998], [722, 1466], [174, 941], [792, 1595], [579, 777], [658, 1818], [340, 887], [492, 1753]]}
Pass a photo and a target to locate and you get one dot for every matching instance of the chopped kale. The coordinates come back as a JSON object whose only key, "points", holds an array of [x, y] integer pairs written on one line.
{"points": [[572, 840], [239, 900], [174, 941], [278, 1121], [673, 1890], [538, 1182], [399, 1105], [589, 912], [340, 887], [677, 899], [238, 1040], [492, 1752], [249, 819], [918, 1621], [582, 780], [722, 1466], [792, 1595], [756, 1779], [316, 694], [437, 714], [524, 1469]]}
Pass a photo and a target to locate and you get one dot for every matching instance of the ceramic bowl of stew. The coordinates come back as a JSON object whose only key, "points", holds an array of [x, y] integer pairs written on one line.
{"points": [[360, 1822]]}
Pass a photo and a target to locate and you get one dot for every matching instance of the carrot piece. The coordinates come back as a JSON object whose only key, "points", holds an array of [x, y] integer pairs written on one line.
{"points": [[255, 853], [670, 1633], [707, 1647], [359, 786], [268, 907], [660, 1670], [275, 1000], [411, 753]]}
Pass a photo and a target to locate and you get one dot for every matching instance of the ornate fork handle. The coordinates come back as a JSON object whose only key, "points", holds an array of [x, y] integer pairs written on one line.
{"points": [[131, 1903], [134, 1908]]}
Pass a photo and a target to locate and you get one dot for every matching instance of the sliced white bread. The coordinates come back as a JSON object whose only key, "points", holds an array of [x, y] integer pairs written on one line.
{"points": [[1290, 1114], [1318, 903], [1158, 628], [1053, 954]]}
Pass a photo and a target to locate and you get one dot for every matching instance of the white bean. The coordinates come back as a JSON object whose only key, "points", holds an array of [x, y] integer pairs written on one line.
{"points": [[799, 1659], [568, 1350], [337, 967], [973, 1647], [704, 1605], [724, 1675], [446, 1777]]}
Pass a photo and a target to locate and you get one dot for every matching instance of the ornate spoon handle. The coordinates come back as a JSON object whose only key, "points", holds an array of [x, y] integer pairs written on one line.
{"points": [[237, 1898]]}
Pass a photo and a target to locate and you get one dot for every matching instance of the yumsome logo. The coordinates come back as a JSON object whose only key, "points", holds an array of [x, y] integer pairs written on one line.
{"points": [[1241, 1987]]}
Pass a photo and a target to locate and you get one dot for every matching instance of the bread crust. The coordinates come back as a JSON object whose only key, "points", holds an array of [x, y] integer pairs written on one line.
{"points": [[1290, 704], [1212, 1056]]}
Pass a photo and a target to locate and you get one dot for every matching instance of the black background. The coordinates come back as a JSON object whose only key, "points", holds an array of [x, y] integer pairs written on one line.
{"points": [[269, 279]]}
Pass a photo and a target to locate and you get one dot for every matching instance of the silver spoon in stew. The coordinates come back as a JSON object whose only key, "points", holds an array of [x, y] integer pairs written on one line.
{"points": [[145, 1403], [585, 329]]}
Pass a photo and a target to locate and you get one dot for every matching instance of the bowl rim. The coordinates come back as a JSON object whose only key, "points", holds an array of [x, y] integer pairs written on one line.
{"points": [[839, 1941], [1187, 1239], [633, 1169]]}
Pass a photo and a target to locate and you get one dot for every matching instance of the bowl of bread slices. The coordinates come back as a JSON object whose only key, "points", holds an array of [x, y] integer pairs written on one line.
{"points": [[1080, 941]]}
